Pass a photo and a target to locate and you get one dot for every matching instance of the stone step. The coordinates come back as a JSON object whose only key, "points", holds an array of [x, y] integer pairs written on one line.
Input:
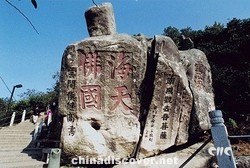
{"points": [[11, 135], [11, 147], [15, 139], [24, 150], [16, 132], [12, 141], [20, 157], [17, 149], [14, 146], [20, 144], [16, 129], [16, 154], [33, 163]]}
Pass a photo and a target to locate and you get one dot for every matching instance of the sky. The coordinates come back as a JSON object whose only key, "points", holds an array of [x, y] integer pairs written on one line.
{"points": [[31, 59]]}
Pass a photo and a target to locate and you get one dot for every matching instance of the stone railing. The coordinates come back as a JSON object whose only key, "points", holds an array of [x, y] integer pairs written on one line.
{"points": [[14, 118]]}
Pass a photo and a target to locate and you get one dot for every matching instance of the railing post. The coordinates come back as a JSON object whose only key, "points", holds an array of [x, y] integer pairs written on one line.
{"points": [[12, 118], [54, 158], [23, 116], [224, 153]]}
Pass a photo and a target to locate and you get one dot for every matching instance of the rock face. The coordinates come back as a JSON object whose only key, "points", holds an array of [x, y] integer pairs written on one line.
{"points": [[129, 96], [100, 20], [175, 159], [100, 79], [200, 79], [169, 112]]}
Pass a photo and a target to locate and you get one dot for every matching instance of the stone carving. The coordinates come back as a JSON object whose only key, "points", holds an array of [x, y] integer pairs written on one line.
{"points": [[99, 99], [200, 79], [100, 20], [169, 112], [129, 96]]}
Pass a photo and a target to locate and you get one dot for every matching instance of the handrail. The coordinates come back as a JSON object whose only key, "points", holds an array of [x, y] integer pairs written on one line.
{"points": [[238, 136], [5, 121]]}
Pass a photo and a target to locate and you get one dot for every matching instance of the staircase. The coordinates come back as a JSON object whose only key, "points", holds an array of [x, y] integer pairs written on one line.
{"points": [[17, 149]]}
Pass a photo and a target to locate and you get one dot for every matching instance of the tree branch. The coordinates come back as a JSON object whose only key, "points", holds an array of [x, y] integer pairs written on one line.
{"points": [[22, 15], [94, 2]]}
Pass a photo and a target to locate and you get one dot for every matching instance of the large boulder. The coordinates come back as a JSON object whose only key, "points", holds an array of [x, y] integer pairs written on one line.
{"points": [[99, 102], [126, 96], [168, 116], [200, 78]]}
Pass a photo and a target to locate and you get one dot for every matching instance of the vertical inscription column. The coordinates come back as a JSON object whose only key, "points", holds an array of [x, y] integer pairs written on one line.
{"points": [[200, 74], [118, 78], [170, 108], [71, 98], [68, 85], [90, 69], [167, 112]]}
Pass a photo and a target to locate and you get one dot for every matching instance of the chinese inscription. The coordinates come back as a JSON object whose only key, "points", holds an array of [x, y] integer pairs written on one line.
{"points": [[122, 93], [199, 76], [120, 68], [91, 96], [90, 63], [169, 98], [71, 98]]}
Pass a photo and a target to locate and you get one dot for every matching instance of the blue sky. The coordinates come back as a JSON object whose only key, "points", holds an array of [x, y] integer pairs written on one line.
{"points": [[31, 59]]}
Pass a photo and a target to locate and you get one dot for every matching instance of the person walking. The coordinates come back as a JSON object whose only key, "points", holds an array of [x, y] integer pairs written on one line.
{"points": [[35, 114]]}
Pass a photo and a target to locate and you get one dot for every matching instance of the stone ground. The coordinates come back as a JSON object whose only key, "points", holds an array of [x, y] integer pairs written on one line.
{"points": [[242, 148]]}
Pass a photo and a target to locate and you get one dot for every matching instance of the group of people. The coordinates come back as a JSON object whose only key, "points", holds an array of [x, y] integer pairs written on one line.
{"points": [[48, 115]]}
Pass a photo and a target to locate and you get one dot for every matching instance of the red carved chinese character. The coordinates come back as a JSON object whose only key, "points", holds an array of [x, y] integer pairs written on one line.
{"points": [[91, 64], [122, 94], [122, 68], [91, 96]]}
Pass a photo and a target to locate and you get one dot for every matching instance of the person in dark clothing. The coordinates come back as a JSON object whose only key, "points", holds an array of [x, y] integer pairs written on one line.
{"points": [[35, 115]]}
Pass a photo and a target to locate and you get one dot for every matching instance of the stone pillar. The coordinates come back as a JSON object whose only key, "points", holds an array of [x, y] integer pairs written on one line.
{"points": [[100, 20], [12, 118], [222, 145], [23, 116], [54, 158]]}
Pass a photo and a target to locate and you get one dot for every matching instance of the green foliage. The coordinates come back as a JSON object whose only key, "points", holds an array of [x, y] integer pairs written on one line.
{"points": [[232, 123], [32, 98], [173, 33], [3, 106], [227, 49]]}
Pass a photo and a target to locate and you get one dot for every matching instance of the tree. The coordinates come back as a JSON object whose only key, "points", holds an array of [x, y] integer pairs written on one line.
{"points": [[173, 33], [3, 106], [32, 98], [227, 49]]}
